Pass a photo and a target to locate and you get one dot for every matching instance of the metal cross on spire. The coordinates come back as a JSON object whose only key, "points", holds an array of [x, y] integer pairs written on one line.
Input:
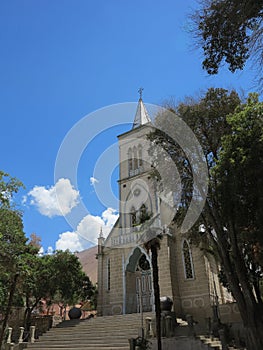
{"points": [[140, 92]]}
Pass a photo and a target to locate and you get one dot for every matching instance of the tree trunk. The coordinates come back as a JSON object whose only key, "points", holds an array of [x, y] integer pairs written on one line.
{"points": [[8, 310], [254, 337], [250, 310], [28, 313], [156, 295]]}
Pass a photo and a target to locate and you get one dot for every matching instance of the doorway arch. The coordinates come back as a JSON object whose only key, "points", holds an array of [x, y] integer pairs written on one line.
{"points": [[138, 280]]}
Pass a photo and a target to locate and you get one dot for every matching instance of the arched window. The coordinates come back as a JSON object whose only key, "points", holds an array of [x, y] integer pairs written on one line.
{"points": [[187, 261], [135, 161], [135, 158], [133, 217], [139, 156], [130, 165]]}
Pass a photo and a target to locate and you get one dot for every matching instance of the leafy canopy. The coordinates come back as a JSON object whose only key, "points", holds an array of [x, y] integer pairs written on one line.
{"points": [[229, 31]]}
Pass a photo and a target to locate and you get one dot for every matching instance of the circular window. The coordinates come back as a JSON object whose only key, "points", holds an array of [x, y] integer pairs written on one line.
{"points": [[143, 263]]}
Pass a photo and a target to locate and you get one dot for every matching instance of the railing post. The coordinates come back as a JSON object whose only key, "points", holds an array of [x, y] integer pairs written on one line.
{"points": [[32, 334], [9, 335], [20, 340]]}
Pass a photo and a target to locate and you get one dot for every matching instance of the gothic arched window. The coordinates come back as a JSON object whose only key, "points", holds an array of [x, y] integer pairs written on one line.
{"points": [[135, 158], [135, 161], [187, 260], [140, 156], [130, 165]]}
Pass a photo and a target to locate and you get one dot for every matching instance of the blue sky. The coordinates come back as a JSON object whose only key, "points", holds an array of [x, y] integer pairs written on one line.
{"points": [[64, 60]]}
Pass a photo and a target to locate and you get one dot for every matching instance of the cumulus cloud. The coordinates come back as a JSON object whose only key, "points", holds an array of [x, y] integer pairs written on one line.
{"points": [[69, 240], [57, 200], [93, 180], [87, 231]]}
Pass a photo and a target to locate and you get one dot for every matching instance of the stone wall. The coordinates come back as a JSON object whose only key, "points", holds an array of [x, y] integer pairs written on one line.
{"points": [[229, 313]]}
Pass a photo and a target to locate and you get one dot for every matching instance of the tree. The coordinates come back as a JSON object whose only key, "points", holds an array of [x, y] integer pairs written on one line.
{"points": [[239, 195], [14, 253], [13, 246], [229, 31], [18, 258], [8, 187], [56, 278], [72, 285], [37, 284], [231, 136]]}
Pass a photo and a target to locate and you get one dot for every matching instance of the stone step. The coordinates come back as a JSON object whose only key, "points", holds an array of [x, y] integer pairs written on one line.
{"points": [[102, 333], [86, 347], [77, 344], [105, 333]]}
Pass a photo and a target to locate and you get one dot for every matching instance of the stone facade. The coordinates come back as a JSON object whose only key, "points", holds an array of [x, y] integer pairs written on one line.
{"points": [[186, 274]]}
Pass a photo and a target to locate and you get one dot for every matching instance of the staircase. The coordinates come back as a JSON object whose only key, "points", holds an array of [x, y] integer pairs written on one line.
{"points": [[113, 333], [102, 333]]}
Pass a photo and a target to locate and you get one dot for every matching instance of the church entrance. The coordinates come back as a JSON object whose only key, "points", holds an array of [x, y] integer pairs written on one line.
{"points": [[139, 290]]}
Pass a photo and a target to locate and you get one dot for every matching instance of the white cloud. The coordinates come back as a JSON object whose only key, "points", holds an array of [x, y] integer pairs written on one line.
{"points": [[57, 200], [93, 180], [87, 231], [69, 240], [109, 217]]}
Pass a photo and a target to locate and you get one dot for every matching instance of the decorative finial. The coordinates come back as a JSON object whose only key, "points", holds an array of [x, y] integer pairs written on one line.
{"points": [[140, 92], [101, 233]]}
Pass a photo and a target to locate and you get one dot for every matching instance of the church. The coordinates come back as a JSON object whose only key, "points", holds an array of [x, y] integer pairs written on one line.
{"points": [[187, 275]]}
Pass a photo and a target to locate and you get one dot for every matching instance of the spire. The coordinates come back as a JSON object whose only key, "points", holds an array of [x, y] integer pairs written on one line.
{"points": [[141, 116], [101, 241], [101, 233]]}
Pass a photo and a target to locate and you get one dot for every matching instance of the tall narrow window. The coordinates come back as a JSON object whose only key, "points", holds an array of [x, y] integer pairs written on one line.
{"points": [[130, 162], [187, 260], [135, 158], [139, 156], [108, 274]]}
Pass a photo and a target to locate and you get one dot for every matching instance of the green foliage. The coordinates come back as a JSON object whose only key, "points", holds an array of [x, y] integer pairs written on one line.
{"points": [[231, 136], [13, 248], [239, 171], [229, 31], [207, 118], [56, 278], [71, 282], [26, 277], [8, 187]]}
